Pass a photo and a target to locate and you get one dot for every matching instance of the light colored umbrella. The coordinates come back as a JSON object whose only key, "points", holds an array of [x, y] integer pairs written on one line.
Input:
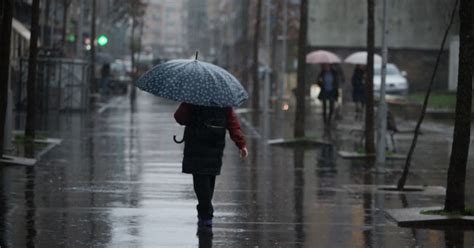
{"points": [[322, 57], [193, 81], [361, 58]]}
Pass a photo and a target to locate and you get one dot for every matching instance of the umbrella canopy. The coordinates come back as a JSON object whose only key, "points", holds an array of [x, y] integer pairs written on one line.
{"points": [[322, 57], [193, 81], [361, 58]]}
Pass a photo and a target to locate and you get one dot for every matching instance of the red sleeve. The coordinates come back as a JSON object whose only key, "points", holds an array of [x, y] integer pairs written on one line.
{"points": [[183, 113], [235, 132]]}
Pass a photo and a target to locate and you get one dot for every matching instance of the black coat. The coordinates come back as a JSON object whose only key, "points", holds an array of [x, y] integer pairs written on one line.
{"points": [[326, 94], [358, 89], [204, 139]]}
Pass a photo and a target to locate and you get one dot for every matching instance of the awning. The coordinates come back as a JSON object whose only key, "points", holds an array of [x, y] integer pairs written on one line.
{"points": [[21, 29]]}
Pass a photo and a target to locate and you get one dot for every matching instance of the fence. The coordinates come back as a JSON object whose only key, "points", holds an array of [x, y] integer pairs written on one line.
{"points": [[61, 84]]}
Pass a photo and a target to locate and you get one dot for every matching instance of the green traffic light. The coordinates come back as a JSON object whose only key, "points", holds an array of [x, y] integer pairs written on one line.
{"points": [[102, 40], [71, 38]]}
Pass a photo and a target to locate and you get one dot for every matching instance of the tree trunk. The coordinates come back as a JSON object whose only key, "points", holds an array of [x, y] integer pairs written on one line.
{"points": [[274, 78], [369, 85], [455, 190], [31, 81], [132, 53], [299, 130], [93, 83], [255, 64], [135, 62], [403, 178], [2, 8], [245, 43], [5, 29]]}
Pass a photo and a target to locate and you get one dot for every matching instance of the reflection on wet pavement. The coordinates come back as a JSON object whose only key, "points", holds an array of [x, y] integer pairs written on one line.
{"points": [[116, 182]]}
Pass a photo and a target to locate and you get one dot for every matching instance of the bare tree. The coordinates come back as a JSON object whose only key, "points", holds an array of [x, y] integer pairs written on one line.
{"points": [[299, 130], [455, 190], [6, 11], [31, 80], [369, 85], [255, 64], [120, 11], [403, 178]]}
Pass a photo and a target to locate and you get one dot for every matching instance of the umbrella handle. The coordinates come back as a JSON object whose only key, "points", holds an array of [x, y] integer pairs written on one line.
{"points": [[177, 141]]}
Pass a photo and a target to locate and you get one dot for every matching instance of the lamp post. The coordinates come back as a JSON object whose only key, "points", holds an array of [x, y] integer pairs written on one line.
{"points": [[382, 109], [283, 80]]}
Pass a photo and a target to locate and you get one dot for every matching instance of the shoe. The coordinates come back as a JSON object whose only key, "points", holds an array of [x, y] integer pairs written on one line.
{"points": [[204, 222]]}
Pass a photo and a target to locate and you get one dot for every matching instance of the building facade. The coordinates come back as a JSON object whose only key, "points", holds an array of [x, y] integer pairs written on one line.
{"points": [[416, 29], [164, 29], [198, 28]]}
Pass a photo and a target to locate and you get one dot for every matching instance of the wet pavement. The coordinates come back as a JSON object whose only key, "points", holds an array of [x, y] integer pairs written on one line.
{"points": [[115, 181]]}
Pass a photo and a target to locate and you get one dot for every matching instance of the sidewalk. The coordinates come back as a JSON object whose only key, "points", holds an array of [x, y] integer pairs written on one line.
{"points": [[116, 182]]}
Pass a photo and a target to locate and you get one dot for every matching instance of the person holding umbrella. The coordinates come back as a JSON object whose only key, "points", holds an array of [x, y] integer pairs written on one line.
{"points": [[204, 138], [359, 59], [328, 80], [207, 94], [358, 90]]}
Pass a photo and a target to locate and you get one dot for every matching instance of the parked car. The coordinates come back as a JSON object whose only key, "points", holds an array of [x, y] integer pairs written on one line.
{"points": [[395, 83], [120, 76]]}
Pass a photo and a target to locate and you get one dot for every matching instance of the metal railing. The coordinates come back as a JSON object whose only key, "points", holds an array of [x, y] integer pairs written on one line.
{"points": [[61, 84]]}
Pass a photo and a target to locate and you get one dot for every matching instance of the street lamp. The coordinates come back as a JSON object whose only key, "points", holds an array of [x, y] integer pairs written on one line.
{"points": [[382, 110]]}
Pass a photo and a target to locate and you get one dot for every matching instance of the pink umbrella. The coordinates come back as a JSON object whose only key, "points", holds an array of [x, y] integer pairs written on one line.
{"points": [[322, 57], [361, 58]]}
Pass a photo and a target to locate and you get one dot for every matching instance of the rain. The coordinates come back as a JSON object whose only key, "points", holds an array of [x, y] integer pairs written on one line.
{"points": [[236, 123]]}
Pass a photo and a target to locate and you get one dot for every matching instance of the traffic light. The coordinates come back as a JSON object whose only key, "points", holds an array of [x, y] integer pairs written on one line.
{"points": [[102, 40], [87, 43], [71, 38]]}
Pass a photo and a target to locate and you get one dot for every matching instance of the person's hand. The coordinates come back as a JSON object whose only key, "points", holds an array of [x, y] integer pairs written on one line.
{"points": [[244, 152]]}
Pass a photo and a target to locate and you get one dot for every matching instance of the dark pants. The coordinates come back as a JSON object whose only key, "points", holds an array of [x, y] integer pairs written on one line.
{"points": [[204, 189], [331, 109]]}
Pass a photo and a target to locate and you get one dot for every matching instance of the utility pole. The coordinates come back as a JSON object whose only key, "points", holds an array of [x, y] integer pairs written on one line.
{"points": [[382, 110], [93, 88]]}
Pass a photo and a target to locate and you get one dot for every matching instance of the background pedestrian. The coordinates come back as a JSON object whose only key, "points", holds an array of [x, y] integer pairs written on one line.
{"points": [[328, 81], [358, 91]]}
